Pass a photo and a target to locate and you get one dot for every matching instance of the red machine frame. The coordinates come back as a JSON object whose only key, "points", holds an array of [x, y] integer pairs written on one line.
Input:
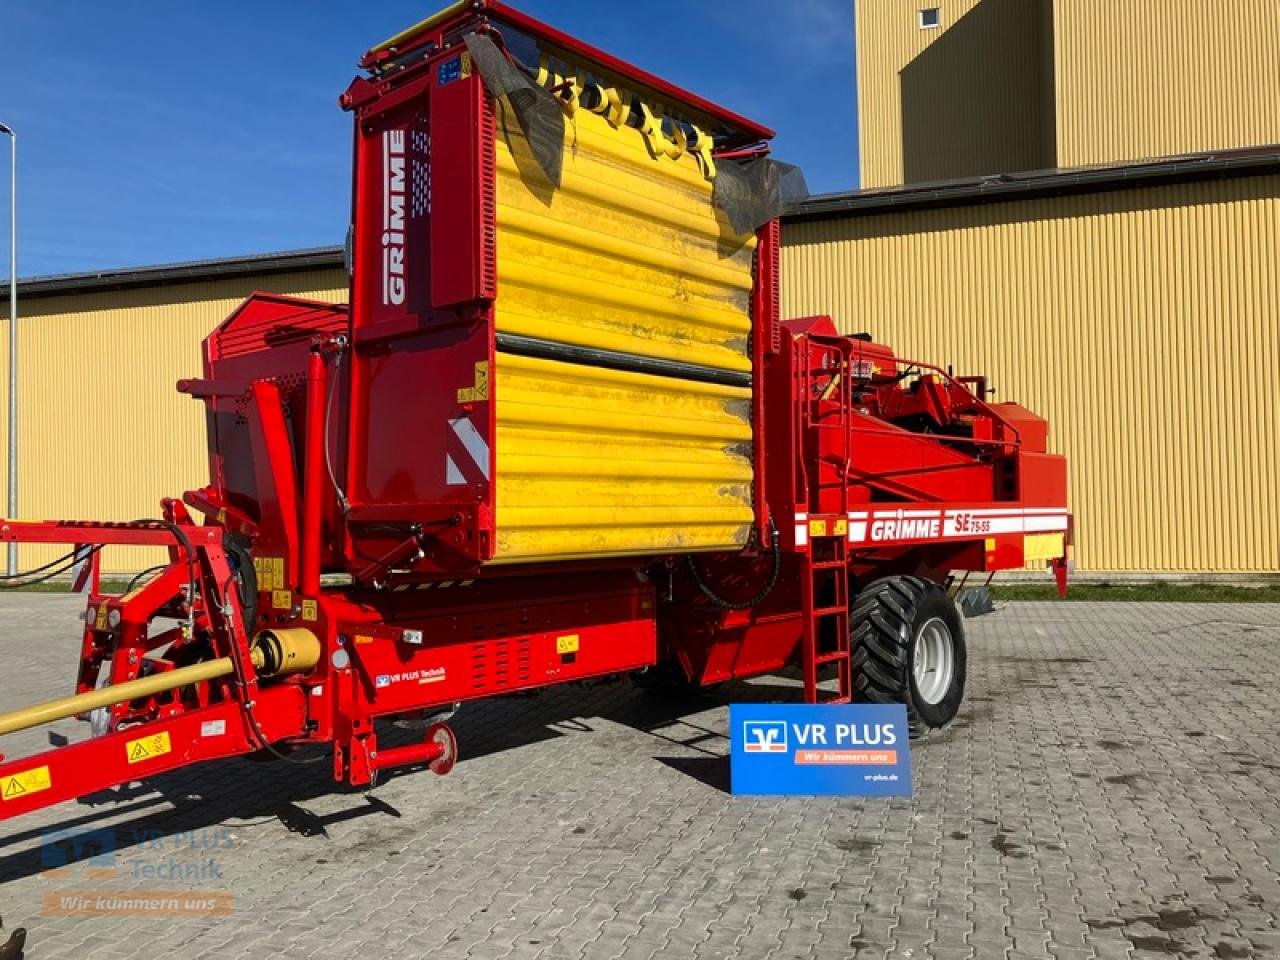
{"points": [[846, 490]]}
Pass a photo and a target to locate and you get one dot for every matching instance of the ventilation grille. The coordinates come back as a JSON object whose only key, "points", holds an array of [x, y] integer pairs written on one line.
{"points": [[267, 320], [773, 319], [293, 397], [497, 664], [488, 202]]}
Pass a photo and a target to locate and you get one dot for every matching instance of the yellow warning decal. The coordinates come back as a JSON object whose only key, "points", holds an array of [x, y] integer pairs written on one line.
{"points": [[361, 641], [842, 528], [990, 544], [101, 622], [309, 610], [270, 571], [817, 528], [281, 599], [480, 391], [28, 781], [147, 748], [567, 644]]}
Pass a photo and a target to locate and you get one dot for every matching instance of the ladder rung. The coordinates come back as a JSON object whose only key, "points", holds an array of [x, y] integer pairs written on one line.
{"points": [[825, 658], [836, 700], [829, 565], [829, 611]]}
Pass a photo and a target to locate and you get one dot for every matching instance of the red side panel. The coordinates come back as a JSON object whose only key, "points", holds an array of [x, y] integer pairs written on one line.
{"points": [[421, 423], [257, 412]]}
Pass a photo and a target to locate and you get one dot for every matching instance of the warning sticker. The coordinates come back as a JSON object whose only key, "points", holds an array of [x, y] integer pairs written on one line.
{"points": [[281, 599], [479, 390], [147, 748], [270, 571], [309, 610], [28, 781], [567, 644], [101, 622]]}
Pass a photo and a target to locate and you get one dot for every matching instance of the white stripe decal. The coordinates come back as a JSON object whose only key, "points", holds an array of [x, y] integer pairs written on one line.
{"points": [[474, 443], [452, 475], [899, 526], [802, 534]]}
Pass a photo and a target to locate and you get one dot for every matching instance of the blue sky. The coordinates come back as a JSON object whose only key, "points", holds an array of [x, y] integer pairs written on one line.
{"points": [[155, 132]]}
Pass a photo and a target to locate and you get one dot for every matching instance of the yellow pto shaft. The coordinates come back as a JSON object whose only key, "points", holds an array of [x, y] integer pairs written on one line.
{"points": [[109, 696], [274, 653]]}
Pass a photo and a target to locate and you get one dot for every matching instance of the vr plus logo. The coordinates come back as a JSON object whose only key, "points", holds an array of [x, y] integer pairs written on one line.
{"points": [[764, 736]]}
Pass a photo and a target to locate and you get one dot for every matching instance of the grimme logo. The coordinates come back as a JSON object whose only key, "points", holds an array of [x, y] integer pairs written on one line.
{"points": [[764, 736], [136, 855], [393, 185]]}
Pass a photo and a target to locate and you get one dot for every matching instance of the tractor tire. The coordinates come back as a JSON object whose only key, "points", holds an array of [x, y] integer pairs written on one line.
{"points": [[908, 647]]}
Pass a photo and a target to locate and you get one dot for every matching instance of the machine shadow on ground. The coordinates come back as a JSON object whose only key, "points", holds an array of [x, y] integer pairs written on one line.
{"points": [[196, 798]]}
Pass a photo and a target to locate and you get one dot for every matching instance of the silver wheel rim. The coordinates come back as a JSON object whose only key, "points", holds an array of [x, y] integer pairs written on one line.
{"points": [[933, 662]]}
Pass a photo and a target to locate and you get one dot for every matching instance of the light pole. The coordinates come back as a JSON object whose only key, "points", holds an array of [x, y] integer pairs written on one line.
{"points": [[12, 567]]}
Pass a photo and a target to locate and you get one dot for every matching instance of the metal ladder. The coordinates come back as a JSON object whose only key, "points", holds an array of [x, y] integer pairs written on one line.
{"points": [[825, 378]]}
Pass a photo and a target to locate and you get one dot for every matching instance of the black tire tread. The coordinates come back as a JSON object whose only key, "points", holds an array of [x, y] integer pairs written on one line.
{"points": [[881, 618]]}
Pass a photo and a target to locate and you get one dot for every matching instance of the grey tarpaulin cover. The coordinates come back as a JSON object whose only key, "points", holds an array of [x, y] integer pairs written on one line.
{"points": [[536, 109], [753, 192]]}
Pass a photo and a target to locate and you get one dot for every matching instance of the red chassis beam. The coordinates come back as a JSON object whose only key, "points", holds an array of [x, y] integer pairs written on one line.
{"points": [[137, 533], [209, 733], [168, 726]]}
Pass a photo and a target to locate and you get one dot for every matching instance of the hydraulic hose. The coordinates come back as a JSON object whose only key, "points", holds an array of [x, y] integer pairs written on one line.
{"points": [[764, 591]]}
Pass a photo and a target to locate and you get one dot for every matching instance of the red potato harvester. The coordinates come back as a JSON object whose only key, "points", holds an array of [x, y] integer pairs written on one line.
{"points": [[561, 432]]}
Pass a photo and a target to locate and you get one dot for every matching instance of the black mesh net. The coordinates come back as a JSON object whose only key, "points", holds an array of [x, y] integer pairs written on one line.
{"points": [[535, 108], [753, 192]]}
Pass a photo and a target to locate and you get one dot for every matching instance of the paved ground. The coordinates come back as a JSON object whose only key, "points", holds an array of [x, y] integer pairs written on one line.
{"points": [[1112, 789]]}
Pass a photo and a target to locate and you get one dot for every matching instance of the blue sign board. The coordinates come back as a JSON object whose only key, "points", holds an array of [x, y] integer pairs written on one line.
{"points": [[450, 71], [791, 749]]}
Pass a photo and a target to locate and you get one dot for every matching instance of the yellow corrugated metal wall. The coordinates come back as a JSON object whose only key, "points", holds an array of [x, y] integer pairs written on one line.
{"points": [[103, 433], [972, 96], [1142, 324], [1165, 77], [1012, 85], [628, 253]]}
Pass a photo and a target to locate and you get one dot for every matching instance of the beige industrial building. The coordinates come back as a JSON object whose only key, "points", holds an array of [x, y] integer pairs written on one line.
{"points": [[1081, 200], [103, 433], [960, 88]]}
